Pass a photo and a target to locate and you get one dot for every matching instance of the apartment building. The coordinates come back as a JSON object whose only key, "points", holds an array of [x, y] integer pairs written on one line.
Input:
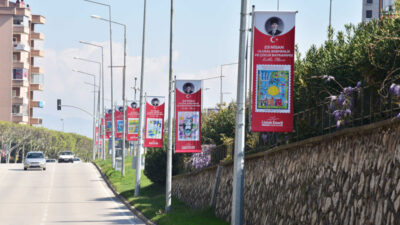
{"points": [[374, 9], [20, 79]]}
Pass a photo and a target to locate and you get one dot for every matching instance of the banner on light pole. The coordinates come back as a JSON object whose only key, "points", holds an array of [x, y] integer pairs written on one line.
{"points": [[155, 107], [108, 123], [119, 121], [188, 116], [132, 120], [273, 71]]}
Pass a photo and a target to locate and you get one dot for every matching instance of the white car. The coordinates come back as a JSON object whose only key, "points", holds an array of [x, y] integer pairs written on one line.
{"points": [[35, 160], [66, 156]]}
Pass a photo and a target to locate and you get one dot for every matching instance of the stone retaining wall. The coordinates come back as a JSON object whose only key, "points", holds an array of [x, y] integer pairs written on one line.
{"points": [[349, 177]]}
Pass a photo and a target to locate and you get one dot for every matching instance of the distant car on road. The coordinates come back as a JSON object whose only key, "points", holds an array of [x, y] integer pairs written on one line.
{"points": [[35, 160], [77, 160], [66, 156], [51, 160]]}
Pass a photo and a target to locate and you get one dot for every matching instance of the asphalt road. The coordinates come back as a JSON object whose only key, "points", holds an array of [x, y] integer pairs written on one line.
{"points": [[73, 194]]}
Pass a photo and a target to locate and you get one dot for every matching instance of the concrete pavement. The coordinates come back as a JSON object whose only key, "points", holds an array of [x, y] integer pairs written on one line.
{"points": [[72, 194]]}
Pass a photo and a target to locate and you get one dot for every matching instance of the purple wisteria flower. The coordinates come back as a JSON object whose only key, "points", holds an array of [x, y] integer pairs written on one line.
{"points": [[395, 89], [342, 104], [203, 159]]}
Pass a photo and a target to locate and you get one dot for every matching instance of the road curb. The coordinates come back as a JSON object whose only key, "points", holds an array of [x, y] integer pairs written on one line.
{"points": [[123, 200]]}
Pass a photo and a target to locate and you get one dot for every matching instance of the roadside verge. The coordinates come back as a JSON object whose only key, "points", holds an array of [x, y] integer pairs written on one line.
{"points": [[122, 199]]}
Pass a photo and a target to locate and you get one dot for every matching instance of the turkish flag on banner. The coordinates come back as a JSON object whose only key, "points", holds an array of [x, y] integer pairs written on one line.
{"points": [[154, 122], [188, 116]]}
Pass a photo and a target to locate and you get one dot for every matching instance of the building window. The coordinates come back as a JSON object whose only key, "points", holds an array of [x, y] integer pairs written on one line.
{"points": [[16, 109], [369, 1], [369, 14], [20, 74]]}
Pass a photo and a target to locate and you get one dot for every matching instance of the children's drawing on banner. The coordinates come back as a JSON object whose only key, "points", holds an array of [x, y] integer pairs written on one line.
{"points": [[273, 85], [133, 126], [188, 123], [120, 126], [109, 126], [154, 128]]}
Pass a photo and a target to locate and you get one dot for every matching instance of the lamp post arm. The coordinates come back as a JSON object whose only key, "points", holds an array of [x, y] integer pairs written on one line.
{"points": [[71, 106]]}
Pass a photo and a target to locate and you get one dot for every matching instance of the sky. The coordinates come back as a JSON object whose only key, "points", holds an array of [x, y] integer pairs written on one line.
{"points": [[206, 35]]}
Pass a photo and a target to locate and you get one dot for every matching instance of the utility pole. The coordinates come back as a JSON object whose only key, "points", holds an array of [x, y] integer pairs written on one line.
{"points": [[124, 105], [112, 85], [135, 89], [221, 93], [238, 166], [170, 121], [330, 15], [62, 121], [142, 108]]}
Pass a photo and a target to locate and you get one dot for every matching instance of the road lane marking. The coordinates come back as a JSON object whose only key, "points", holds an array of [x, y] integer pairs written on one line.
{"points": [[46, 209]]}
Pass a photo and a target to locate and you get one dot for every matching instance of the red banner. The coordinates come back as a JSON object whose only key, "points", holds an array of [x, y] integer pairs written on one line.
{"points": [[96, 135], [108, 124], [273, 72], [188, 116], [154, 122], [132, 117], [101, 129], [119, 122]]}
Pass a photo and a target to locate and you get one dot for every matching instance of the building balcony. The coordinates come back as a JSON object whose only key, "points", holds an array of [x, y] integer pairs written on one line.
{"points": [[37, 53], [36, 82], [38, 19], [17, 100], [37, 70], [23, 12], [19, 118], [36, 121], [36, 87], [37, 104], [20, 30], [20, 83], [20, 47], [7, 11], [20, 65], [37, 36]]}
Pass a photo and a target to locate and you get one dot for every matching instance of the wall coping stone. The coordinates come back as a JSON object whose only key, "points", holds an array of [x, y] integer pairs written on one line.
{"points": [[351, 131]]}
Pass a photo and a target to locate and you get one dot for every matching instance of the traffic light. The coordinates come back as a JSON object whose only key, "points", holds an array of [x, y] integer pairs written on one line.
{"points": [[58, 104]]}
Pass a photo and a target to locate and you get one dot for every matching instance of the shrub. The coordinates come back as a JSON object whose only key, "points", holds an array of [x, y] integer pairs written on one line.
{"points": [[156, 165]]}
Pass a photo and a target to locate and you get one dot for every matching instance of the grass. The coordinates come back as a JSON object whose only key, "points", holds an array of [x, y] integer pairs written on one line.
{"points": [[151, 201]]}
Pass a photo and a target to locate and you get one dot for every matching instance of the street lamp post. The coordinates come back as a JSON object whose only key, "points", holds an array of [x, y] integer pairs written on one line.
{"points": [[330, 14], [221, 94], [123, 92], [140, 148], [238, 165], [168, 186], [103, 115], [98, 105], [112, 85], [94, 110], [62, 121]]}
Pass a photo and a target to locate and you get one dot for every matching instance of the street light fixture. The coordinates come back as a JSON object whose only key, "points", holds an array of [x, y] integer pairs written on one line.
{"points": [[220, 90], [123, 91], [103, 115], [98, 97], [94, 109], [112, 85]]}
